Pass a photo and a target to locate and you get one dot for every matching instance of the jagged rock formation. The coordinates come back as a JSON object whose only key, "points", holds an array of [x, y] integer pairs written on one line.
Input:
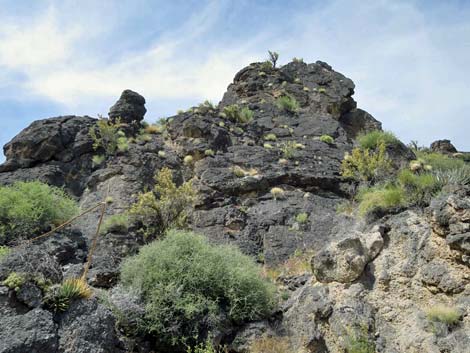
{"points": [[372, 279], [443, 146]]}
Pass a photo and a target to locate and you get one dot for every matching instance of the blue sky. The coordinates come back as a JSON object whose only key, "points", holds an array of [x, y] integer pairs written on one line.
{"points": [[409, 59]]}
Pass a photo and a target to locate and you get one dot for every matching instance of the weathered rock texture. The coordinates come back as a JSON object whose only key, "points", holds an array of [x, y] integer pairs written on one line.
{"points": [[373, 281]]}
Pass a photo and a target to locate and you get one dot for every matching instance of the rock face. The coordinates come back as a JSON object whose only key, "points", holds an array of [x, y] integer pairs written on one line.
{"points": [[443, 146], [371, 282], [129, 109]]}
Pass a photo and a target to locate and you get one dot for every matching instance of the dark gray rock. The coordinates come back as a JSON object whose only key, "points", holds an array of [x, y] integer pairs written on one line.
{"points": [[443, 146], [130, 109], [87, 327], [438, 275], [30, 294], [33, 332]]}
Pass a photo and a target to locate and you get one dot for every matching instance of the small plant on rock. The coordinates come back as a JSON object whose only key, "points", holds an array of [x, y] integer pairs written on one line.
{"points": [[235, 114], [442, 313], [373, 139], [302, 218], [380, 197], [116, 223], [4, 251], [14, 281], [60, 297], [270, 137], [273, 57], [277, 193], [288, 104], [327, 139]]}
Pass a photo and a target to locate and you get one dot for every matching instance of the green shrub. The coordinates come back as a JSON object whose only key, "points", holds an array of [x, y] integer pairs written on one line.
{"points": [[273, 57], [164, 207], [373, 139], [442, 313], [98, 159], [270, 137], [116, 223], [109, 137], [27, 208], [359, 344], [14, 281], [380, 197], [438, 161], [302, 218], [4, 251], [188, 283], [366, 165], [420, 187], [235, 114], [288, 104], [327, 139]]}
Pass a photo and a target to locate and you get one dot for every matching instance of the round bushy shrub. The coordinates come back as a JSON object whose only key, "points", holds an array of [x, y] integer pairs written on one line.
{"points": [[27, 208], [190, 287]]}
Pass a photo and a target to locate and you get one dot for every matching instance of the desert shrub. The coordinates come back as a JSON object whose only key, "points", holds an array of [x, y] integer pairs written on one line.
{"points": [[267, 344], [380, 197], [277, 193], [438, 161], [153, 129], [288, 104], [116, 223], [206, 107], [366, 165], [27, 208], [296, 265], [288, 149], [4, 251], [164, 207], [188, 160], [302, 218], [359, 343], [98, 159], [14, 281], [235, 114], [266, 66], [327, 139], [59, 297], [373, 139], [108, 137], [188, 283], [270, 137], [419, 187], [443, 313]]}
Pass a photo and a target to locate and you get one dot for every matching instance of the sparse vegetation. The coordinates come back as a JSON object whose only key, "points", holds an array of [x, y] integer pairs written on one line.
{"points": [[267, 344], [27, 208], [14, 281], [4, 251], [116, 223], [188, 283], [327, 139], [380, 197], [442, 313], [366, 165], [98, 159], [240, 172], [188, 160], [359, 343], [288, 104], [235, 114], [288, 149], [439, 162], [270, 137], [277, 193], [108, 137], [372, 140], [209, 152], [302, 218], [153, 129], [419, 187], [61, 296], [164, 207]]}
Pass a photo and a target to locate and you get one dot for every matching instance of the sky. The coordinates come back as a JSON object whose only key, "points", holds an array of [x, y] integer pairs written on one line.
{"points": [[409, 59]]}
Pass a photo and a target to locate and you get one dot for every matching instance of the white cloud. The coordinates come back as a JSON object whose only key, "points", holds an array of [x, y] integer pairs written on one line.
{"points": [[410, 67]]}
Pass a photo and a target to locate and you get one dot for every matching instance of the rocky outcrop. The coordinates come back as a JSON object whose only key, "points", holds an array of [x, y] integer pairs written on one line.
{"points": [[443, 146], [270, 187]]}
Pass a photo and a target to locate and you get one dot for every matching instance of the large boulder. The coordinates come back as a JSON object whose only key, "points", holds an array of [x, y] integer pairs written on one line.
{"points": [[129, 109], [443, 146]]}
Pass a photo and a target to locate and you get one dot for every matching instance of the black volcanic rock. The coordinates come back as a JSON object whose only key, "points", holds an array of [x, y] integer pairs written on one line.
{"points": [[443, 146], [130, 109]]}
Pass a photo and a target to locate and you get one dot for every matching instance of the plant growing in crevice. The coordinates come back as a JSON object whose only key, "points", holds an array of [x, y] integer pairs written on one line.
{"points": [[287, 103], [236, 114], [108, 137], [164, 207], [61, 296], [327, 139]]}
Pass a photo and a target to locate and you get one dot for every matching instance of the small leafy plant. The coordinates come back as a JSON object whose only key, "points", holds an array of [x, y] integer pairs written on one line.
{"points": [[442, 313], [109, 137], [14, 281], [327, 139]]}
